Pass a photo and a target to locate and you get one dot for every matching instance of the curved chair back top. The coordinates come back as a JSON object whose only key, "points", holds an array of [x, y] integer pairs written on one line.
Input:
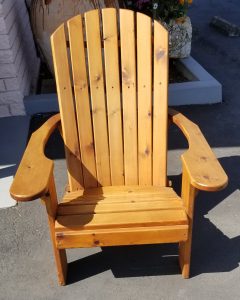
{"points": [[111, 69]]}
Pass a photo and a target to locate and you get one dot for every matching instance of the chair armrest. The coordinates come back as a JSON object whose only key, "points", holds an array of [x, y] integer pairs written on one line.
{"points": [[203, 168], [32, 178]]}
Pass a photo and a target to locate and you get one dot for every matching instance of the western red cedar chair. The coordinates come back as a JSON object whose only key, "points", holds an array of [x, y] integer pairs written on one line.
{"points": [[113, 98]]}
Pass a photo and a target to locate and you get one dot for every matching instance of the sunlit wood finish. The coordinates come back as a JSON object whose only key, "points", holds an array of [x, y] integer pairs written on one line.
{"points": [[112, 87]]}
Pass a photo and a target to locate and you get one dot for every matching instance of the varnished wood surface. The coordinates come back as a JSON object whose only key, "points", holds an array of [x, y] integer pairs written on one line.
{"points": [[119, 194], [60, 256], [114, 109], [120, 216], [160, 104], [203, 168], [129, 95], [188, 196], [32, 177], [97, 83], [115, 120], [122, 236], [82, 101], [114, 127], [67, 109]]}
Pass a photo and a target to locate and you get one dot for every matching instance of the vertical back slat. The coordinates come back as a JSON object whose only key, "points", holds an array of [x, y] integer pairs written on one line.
{"points": [[98, 97], [110, 37], [82, 101], [128, 59], [66, 104], [160, 105], [144, 74]]}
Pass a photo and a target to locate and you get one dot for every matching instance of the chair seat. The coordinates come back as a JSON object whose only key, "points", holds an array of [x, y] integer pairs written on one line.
{"points": [[120, 215]]}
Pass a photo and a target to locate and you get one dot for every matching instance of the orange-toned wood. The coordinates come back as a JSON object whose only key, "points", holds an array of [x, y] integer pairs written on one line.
{"points": [[121, 220], [130, 155], [96, 78], [120, 194], [32, 177], [82, 101], [122, 236], [144, 79], [111, 57], [67, 110], [129, 101], [160, 104], [188, 196], [51, 203], [112, 207], [204, 170]]}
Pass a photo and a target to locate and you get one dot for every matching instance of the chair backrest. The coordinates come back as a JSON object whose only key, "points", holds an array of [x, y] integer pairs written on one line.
{"points": [[113, 99]]}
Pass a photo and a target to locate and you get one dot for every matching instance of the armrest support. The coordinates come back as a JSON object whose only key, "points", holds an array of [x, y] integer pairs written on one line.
{"points": [[199, 161], [32, 178]]}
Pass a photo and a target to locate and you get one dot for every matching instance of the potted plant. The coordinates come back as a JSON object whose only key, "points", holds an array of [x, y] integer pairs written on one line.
{"points": [[173, 15]]}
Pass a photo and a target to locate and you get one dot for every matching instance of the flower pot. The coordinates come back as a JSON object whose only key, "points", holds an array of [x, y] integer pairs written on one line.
{"points": [[180, 37]]}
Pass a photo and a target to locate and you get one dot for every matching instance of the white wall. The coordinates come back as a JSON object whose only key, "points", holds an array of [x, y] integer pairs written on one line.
{"points": [[19, 64]]}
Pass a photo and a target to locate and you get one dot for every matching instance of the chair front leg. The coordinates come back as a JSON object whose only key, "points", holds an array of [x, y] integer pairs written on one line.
{"points": [[188, 196], [51, 203]]}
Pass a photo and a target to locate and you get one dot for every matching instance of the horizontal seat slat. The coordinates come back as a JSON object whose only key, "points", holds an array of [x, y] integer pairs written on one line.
{"points": [[116, 199], [120, 194], [126, 219], [112, 207]]}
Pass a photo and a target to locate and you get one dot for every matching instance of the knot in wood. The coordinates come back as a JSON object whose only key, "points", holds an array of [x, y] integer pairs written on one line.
{"points": [[90, 146], [160, 53], [98, 77], [126, 77], [147, 152]]}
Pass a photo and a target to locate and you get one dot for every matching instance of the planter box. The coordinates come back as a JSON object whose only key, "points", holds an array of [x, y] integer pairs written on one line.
{"points": [[202, 88]]}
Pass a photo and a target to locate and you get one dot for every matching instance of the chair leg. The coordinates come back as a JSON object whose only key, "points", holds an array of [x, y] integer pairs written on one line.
{"points": [[188, 196], [50, 200], [61, 264], [185, 254]]}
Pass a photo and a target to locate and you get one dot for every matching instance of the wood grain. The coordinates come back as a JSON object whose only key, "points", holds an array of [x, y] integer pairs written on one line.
{"points": [[144, 77], [96, 78], [51, 203], [188, 196], [116, 206], [203, 168], [32, 178], [111, 56], [122, 236], [129, 100], [66, 106], [160, 104], [82, 101]]}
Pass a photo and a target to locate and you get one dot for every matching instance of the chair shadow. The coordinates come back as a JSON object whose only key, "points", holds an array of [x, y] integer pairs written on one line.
{"points": [[212, 251]]}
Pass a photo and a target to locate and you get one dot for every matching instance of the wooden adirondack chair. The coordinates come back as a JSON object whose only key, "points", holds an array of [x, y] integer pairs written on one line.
{"points": [[116, 141]]}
